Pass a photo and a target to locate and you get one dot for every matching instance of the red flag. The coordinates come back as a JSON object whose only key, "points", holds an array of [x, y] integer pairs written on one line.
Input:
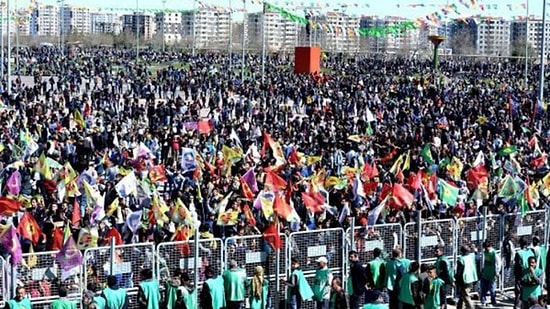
{"points": [[28, 228], [386, 189], [182, 236], [293, 157], [312, 202], [414, 181], [113, 233], [76, 216], [205, 127], [401, 197], [157, 174], [57, 239], [249, 215], [399, 175], [274, 180], [281, 207], [539, 162], [370, 187], [8, 206], [247, 193], [388, 157], [476, 176], [272, 237]]}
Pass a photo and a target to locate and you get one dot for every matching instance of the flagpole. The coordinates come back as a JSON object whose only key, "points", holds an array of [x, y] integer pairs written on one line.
{"points": [[194, 26], [244, 41], [112, 262], [526, 44], [230, 47], [263, 41], [419, 235], [277, 262], [542, 52], [196, 262]]}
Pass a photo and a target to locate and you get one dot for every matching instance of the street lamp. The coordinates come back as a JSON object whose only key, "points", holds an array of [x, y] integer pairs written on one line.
{"points": [[137, 30], [244, 41], [436, 41], [163, 20]]}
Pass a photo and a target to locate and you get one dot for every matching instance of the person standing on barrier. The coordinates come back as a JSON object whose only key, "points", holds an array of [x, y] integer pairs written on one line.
{"points": [[445, 273], [521, 265], [489, 273], [259, 288], [375, 273], [410, 288], [358, 280], [321, 284], [298, 287], [20, 301], [530, 283], [63, 302], [234, 280], [466, 275], [394, 269], [213, 293], [432, 290], [115, 297], [149, 291]]}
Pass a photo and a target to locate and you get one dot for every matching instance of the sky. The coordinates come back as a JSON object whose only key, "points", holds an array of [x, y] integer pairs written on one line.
{"points": [[407, 8]]}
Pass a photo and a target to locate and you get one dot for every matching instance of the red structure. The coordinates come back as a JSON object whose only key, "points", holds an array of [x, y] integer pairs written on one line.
{"points": [[307, 60]]}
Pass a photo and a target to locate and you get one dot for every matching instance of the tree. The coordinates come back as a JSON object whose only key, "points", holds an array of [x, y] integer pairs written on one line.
{"points": [[462, 42]]}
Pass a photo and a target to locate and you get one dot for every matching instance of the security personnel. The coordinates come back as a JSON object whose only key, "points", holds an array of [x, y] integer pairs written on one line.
{"points": [[298, 288], [149, 291], [115, 297], [489, 272], [234, 280], [530, 282], [433, 290], [410, 288], [20, 301], [394, 268], [213, 292], [466, 275], [375, 276], [445, 273], [521, 264]]}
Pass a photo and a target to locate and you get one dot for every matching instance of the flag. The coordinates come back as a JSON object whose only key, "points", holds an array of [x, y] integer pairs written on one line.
{"points": [[454, 169], [401, 197], [427, 154], [76, 216], [205, 126], [480, 159], [233, 136], [182, 237], [230, 155], [79, 119], [127, 186], [180, 213], [113, 233], [282, 208], [448, 193], [508, 187], [267, 207], [313, 201], [9, 206], [407, 163], [275, 148], [28, 228], [87, 238], [157, 174], [14, 183], [524, 205], [69, 257], [188, 159], [11, 244], [272, 237], [250, 179], [32, 260], [274, 181], [396, 165], [508, 150], [133, 221], [375, 213], [249, 215]]}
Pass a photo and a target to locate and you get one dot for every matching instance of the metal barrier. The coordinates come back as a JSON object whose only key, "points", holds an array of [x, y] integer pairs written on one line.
{"points": [[309, 245], [366, 239], [129, 260], [434, 233], [4, 296], [515, 227], [180, 255], [251, 251]]}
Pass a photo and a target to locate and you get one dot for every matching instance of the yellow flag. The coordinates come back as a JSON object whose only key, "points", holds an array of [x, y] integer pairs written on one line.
{"points": [[396, 165], [32, 260], [313, 159], [407, 163], [112, 208], [79, 119]]}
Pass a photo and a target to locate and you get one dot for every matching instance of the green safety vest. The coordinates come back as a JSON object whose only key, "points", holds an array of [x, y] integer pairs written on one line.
{"points": [[303, 286], [63, 304], [24, 303], [234, 281], [115, 299], [217, 292], [489, 271], [188, 298], [524, 255], [533, 290], [151, 291], [469, 274], [433, 301], [438, 267], [259, 303], [171, 295], [542, 259], [321, 286], [375, 266], [405, 291], [392, 266], [376, 306]]}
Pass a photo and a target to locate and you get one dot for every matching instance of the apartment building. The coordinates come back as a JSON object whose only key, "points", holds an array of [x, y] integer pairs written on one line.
{"points": [[280, 33], [340, 32], [170, 25], [75, 19], [493, 36], [211, 27], [141, 23], [45, 20], [530, 32], [105, 22]]}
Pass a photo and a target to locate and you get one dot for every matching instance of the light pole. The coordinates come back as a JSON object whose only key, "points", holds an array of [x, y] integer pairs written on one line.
{"points": [[264, 26], [2, 42], [137, 31], [230, 47], [61, 21], [244, 41], [163, 20], [542, 52], [194, 26], [526, 43], [9, 46]]}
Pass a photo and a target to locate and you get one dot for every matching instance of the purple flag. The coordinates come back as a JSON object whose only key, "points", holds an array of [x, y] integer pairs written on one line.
{"points": [[191, 125], [69, 256], [14, 183], [250, 179], [11, 243]]}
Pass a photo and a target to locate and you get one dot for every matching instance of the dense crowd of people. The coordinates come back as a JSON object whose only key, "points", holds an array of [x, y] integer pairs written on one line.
{"points": [[100, 147]]}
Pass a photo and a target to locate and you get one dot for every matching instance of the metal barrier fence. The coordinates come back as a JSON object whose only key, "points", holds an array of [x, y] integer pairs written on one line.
{"points": [[308, 246], [386, 237], [252, 251], [514, 227], [434, 233], [129, 260], [180, 255]]}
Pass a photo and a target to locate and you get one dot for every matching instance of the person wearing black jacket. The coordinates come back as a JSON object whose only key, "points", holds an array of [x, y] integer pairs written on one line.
{"points": [[358, 280], [337, 295]]}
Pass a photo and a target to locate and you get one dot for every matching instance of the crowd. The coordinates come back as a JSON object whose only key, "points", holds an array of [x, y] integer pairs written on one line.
{"points": [[100, 147]]}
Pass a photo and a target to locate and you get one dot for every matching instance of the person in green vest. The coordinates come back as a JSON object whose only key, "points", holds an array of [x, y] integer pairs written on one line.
{"points": [[432, 290], [321, 284], [115, 297], [539, 252], [530, 282], [234, 280], [179, 293], [375, 272], [445, 273], [213, 293], [521, 264], [298, 288], [394, 268], [337, 296], [148, 291], [466, 275], [20, 301], [489, 273], [410, 288], [259, 288], [63, 302]]}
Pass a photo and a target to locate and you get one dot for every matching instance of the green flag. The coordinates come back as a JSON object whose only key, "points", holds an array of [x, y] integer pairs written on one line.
{"points": [[427, 154], [508, 150], [448, 193], [508, 187], [524, 205]]}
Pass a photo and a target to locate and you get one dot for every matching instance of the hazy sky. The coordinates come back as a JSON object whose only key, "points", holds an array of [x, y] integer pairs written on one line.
{"points": [[377, 7]]}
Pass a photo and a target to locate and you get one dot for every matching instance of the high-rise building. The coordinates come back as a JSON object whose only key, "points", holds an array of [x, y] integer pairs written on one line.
{"points": [[493, 36], [530, 33], [170, 25], [44, 20], [280, 32], [340, 32], [75, 19], [211, 28], [139, 23], [105, 22]]}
